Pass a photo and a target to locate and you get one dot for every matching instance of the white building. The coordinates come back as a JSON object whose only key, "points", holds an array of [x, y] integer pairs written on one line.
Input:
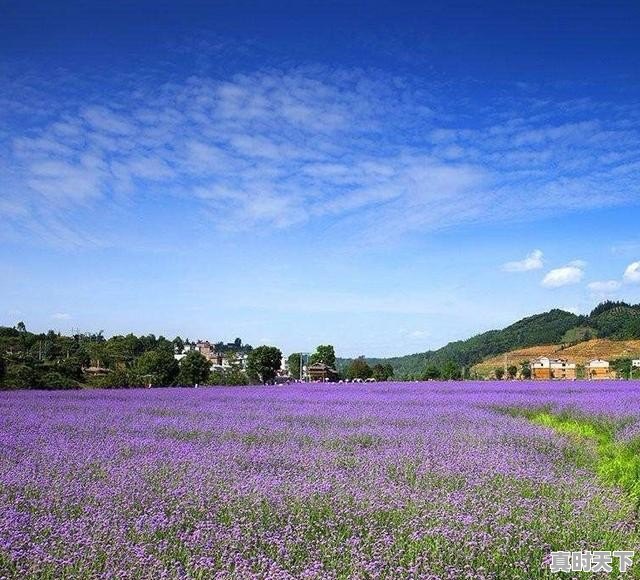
{"points": [[552, 368], [598, 369]]}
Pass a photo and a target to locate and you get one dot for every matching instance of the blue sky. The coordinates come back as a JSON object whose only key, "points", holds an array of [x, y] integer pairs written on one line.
{"points": [[384, 177]]}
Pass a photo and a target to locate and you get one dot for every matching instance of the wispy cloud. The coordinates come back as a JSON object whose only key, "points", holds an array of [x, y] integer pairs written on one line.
{"points": [[418, 334], [280, 148], [534, 261], [604, 288], [61, 316]]}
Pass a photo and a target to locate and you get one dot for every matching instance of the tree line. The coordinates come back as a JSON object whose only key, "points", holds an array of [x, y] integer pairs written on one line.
{"points": [[54, 361]]}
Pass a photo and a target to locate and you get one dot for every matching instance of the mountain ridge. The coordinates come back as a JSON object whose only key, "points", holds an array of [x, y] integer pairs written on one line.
{"points": [[608, 320]]}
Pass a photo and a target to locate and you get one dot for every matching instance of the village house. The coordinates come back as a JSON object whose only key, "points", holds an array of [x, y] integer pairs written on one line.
{"points": [[599, 369], [321, 372], [218, 360], [545, 368], [229, 360], [206, 349]]}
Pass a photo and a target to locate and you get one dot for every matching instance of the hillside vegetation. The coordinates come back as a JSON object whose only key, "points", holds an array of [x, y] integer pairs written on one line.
{"points": [[615, 321], [579, 353]]}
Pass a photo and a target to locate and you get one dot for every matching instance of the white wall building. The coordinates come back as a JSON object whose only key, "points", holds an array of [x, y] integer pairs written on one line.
{"points": [[598, 369], [552, 368]]}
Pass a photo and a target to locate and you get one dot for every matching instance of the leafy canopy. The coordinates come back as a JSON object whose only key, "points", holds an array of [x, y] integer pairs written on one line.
{"points": [[263, 364]]}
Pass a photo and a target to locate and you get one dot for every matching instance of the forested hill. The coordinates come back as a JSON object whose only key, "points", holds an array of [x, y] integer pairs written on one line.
{"points": [[613, 320]]}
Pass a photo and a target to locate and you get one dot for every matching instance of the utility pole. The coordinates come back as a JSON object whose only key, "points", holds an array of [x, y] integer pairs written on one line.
{"points": [[302, 359]]}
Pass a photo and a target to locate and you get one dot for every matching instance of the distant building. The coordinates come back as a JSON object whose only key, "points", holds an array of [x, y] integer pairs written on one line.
{"points": [[229, 360], [599, 369], [321, 372], [545, 368], [186, 349], [219, 360], [206, 349], [635, 363]]}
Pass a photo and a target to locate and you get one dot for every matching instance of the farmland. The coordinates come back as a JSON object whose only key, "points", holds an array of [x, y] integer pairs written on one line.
{"points": [[579, 353], [403, 480]]}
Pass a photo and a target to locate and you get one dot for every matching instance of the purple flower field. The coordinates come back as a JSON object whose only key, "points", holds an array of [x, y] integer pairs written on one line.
{"points": [[388, 480]]}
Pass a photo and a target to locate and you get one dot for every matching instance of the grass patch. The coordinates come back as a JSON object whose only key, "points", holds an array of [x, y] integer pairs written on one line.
{"points": [[616, 462]]}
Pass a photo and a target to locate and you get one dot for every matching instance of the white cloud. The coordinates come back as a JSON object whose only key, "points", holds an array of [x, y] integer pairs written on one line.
{"points": [[534, 261], [418, 334], [572, 273], [604, 287], [632, 273], [61, 316]]}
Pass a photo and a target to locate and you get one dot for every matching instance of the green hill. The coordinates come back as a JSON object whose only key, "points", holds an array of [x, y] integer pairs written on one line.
{"points": [[613, 320]]}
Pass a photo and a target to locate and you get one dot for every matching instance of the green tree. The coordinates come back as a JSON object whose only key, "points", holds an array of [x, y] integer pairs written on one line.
{"points": [[55, 380], [451, 371], [512, 371], [263, 364], [3, 371], [229, 376], [293, 362], [194, 369], [326, 354], [20, 327], [358, 369], [525, 370], [382, 372], [116, 379], [178, 344], [431, 373], [622, 367], [20, 376], [158, 367], [499, 372]]}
